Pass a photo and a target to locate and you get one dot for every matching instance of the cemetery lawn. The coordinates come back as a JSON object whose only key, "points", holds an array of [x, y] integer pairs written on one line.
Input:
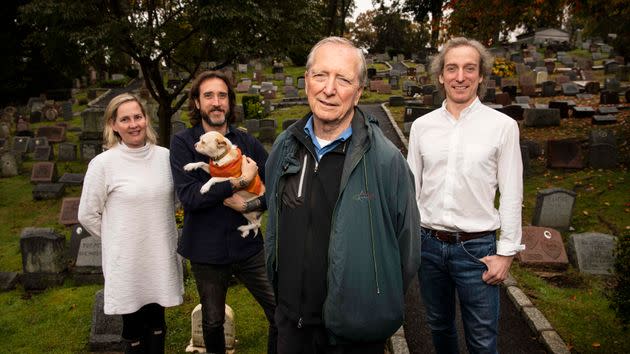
{"points": [[58, 320]]}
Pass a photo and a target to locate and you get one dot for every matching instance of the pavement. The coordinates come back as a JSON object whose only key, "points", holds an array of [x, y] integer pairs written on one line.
{"points": [[522, 327]]}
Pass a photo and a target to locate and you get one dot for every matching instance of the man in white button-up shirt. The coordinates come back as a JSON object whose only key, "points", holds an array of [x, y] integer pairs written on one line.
{"points": [[459, 154]]}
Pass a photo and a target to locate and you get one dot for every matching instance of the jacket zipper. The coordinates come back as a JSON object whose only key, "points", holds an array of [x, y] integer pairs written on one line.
{"points": [[367, 190]]}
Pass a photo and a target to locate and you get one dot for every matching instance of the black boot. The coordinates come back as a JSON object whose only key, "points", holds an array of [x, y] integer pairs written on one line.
{"points": [[155, 341], [133, 346]]}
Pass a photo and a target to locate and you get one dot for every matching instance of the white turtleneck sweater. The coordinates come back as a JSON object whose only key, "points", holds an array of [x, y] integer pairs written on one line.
{"points": [[128, 201]]}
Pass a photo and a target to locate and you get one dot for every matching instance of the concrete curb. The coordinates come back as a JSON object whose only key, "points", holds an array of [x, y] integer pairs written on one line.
{"points": [[536, 320]]}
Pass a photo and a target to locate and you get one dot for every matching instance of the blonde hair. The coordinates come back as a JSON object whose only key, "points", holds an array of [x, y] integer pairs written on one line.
{"points": [[110, 137]]}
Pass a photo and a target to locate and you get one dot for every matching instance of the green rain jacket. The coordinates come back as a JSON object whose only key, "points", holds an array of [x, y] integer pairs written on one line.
{"points": [[374, 248]]}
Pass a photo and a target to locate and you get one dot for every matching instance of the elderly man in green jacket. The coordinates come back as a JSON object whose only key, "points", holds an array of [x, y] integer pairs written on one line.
{"points": [[343, 237]]}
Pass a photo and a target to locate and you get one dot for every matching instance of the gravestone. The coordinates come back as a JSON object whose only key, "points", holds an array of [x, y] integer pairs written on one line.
{"points": [[394, 82], [503, 98], [300, 83], [611, 67], [242, 68], [427, 89], [44, 172], [78, 234], [510, 89], [592, 87], [43, 191], [541, 117], [601, 136], [411, 112], [570, 89], [72, 179], [21, 144], [602, 156], [413, 90], [607, 110], [67, 152], [612, 84], [548, 89], [384, 88], [583, 112], [92, 119], [290, 92], [554, 208], [533, 148], [267, 123], [106, 330], [564, 153], [562, 106], [603, 119], [525, 161], [513, 111], [371, 72], [396, 101], [88, 264], [9, 164], [69, 211], [608, 97], [287, 123], [252, 125], [8, 280], [66, 110], [43, 258], [267, 134], [39, 141], [592, 252], [242, 87], [229, 331], [543, 248], [522, 99], [43, 153], [542, 77], [528, 90], [90, 148], [288, 81]]}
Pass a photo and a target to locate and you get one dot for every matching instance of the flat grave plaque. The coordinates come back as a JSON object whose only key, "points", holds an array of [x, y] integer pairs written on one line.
{"points": [[43, 172], [69, 214], [603, 119], [43, 153], [43, 191], [543, 248], [583, 112], [54, 133]]}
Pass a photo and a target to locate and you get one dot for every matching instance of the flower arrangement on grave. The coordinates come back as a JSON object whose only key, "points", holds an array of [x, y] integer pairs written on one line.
{"points": [[179, 218], [503, 67]]}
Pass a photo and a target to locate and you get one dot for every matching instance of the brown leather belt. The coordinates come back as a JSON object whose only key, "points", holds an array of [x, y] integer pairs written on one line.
{"points": [[455, 237]]}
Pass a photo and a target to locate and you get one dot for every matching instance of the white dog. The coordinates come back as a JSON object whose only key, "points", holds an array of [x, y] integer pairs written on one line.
{"points": [[225, 164]]}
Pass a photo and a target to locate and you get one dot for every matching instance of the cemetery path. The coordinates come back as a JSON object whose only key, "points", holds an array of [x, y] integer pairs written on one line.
{"points": [[515, 335], [103, 100]]}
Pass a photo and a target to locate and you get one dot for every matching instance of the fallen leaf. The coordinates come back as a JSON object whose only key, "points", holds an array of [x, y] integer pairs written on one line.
{"points": [[585, 212], [606, 203], [596, 345]]}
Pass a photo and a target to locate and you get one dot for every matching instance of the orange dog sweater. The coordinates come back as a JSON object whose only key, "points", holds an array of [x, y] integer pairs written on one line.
{"points": [[233, 169]]}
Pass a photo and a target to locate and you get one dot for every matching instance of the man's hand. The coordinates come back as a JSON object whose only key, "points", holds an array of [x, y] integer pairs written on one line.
{"points": [[249, 169], [236, 202], [498, 268]]}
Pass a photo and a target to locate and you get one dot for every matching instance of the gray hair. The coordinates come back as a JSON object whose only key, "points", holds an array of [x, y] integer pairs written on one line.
{"points": [[485, 62], [340, 41]]}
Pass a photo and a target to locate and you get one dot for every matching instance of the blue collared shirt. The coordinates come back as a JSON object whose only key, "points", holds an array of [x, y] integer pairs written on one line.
{"points": [[319, 150]]}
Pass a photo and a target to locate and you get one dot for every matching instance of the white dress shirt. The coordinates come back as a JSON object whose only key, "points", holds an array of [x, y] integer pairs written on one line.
{"points": [[458, 165]]}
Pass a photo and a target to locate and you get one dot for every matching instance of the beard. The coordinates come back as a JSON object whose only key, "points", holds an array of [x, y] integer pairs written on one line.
{"points": [[216, 123]]}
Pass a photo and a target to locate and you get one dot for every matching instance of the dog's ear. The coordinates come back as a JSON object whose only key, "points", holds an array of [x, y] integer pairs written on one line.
{"points": [[221, 142]]}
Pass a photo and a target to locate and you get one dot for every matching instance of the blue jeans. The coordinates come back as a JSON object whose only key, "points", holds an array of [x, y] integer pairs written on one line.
{"points": [[212, 284], [450, 267]]}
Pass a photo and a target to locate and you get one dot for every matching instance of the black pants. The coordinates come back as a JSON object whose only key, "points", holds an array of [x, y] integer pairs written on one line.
{"points": [[148, 317], [212, 285], [313, 339]]}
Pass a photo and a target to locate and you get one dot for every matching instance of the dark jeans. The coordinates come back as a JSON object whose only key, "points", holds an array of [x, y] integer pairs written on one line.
{"points": [[212, 285], [148, 317], [313, 339], [450, 267]]}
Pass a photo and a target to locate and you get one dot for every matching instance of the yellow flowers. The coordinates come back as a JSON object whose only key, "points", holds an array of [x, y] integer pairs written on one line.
{"points": [[503, 67]]}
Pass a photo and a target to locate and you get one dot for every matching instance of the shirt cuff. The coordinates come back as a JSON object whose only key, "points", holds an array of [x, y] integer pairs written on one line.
{"points": [[508, 248]]}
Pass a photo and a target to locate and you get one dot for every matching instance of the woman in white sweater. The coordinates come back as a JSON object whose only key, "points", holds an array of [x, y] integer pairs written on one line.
{"points": [[128, 201]]}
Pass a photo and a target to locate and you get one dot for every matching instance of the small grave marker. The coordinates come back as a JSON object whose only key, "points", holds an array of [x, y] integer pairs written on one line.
{"points": [[106, 330], [43, 153], [43, 172], [43, 191], [540, 117], [592, 252], [554, 208], [43, 261], [543, 248], [69, 211], [602, 156], [564, 153]]}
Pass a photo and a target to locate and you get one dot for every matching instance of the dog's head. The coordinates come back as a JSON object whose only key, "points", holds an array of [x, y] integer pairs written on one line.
{"points": [[214, 145]]}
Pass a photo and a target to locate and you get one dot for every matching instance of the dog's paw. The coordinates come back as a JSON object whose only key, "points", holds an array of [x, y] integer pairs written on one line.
{"points": [[244, 229], [190, 166], [205, 188]]}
